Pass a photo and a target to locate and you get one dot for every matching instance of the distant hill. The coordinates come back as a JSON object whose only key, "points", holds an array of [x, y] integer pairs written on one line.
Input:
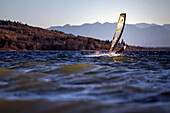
{"points": [[167, 26], [141, 34], [18, 36], [143, 25]]}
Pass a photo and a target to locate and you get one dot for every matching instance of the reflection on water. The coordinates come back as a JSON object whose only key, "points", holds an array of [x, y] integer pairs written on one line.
{"points": [[67, 81]]}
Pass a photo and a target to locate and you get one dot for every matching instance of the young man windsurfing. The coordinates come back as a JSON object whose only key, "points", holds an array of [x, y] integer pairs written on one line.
{"points": [[117, 34], [122, 48]]}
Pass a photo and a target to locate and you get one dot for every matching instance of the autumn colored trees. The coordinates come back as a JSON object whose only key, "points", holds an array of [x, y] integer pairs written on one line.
{"points": [[18, 36]]}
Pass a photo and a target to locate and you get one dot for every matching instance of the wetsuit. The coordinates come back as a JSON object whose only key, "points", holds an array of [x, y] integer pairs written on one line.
{"points": [[121, 50]]}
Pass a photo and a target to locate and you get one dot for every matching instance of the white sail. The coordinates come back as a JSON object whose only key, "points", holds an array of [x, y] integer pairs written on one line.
{"points": [[118, 31]]}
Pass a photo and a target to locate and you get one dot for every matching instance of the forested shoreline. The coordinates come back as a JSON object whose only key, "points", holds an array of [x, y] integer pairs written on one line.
{"points": [[15, 36]]}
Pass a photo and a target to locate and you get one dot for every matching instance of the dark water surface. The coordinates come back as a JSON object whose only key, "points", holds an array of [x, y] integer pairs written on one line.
{"points": [[69, 82]]}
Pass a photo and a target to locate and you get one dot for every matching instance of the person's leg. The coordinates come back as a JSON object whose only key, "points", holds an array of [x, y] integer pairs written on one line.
{"points": [[117, 52], [120, 51]]}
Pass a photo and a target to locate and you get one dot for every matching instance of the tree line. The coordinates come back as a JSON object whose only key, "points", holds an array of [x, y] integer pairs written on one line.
{"points": [[18, 36]]}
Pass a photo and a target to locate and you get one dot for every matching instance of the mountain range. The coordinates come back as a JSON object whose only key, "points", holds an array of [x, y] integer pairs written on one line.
{"points": [[140, 34]]}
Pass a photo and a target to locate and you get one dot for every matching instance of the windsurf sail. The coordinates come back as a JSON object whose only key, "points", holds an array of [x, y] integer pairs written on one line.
{"points": [[118, 31]]}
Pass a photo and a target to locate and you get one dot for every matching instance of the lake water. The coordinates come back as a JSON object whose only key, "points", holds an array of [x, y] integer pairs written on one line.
{"points": [[70, 82]]}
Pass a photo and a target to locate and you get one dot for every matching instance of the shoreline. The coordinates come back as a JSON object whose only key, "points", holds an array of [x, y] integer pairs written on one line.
{"points": [[20, 37], [73, 50]]}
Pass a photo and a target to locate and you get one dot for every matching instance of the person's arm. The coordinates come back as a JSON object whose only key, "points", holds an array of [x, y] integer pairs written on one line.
{"points": [[120, 46]]}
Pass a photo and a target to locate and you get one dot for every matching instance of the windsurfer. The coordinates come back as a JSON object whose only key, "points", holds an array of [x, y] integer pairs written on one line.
{"points": [[117, 35], [122, 48]]}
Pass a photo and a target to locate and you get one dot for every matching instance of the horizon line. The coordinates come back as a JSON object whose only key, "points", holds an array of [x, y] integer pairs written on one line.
{"points": [[78, 24]]}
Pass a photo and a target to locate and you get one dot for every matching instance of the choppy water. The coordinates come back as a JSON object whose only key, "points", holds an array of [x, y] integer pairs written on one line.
{"points": [[69, 82]]}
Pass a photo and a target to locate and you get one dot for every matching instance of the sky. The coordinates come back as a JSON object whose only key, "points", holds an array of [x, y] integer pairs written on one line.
{"points": [[46, 13]]}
